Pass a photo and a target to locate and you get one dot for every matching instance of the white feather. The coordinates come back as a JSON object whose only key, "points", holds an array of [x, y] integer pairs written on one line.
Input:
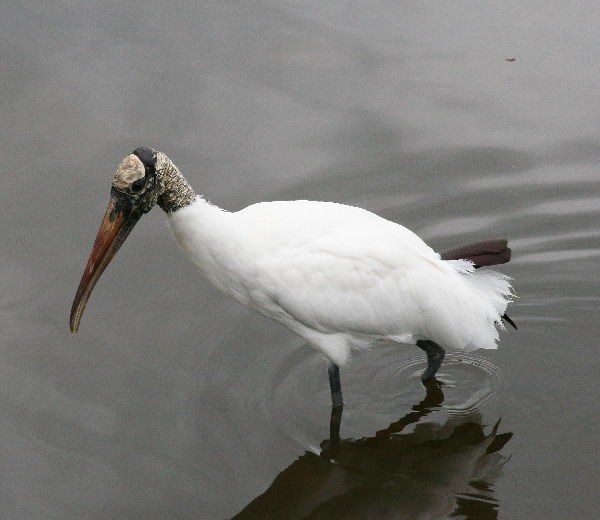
{"points": [[341, 277]]}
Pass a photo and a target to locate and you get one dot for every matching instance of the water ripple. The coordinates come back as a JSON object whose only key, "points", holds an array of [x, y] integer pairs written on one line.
{"points": [[379, 386]]}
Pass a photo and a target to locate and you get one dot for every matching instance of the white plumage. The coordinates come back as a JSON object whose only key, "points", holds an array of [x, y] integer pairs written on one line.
{"points": [[339, 276]]}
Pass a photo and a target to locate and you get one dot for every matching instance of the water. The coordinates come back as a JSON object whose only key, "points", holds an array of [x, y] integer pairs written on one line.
{"points": [[173, 401]]}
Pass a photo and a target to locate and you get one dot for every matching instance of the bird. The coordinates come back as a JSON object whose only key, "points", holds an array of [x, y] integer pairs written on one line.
{"points": [[340, 277]]}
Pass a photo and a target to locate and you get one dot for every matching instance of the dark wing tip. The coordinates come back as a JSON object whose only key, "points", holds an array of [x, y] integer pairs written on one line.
{"points": [[486, 253]]}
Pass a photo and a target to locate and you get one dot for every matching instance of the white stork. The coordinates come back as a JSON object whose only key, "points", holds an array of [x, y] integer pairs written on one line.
{"points": [[340, 277]]}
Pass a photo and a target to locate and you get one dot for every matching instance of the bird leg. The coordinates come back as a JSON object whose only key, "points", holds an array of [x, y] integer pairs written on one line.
{"points": [[331, 448], [334, 428], [435, 356], [335, 385]]}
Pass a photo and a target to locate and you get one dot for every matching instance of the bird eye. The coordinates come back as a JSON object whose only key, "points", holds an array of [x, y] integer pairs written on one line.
{"points": [[138, 185]]}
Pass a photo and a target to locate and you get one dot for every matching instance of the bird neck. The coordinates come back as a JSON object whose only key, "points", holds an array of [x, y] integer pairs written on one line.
{"points": [[176, 193]]}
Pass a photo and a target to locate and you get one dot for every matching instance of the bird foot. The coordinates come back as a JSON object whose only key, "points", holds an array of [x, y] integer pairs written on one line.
{"points": [[435, 356]]}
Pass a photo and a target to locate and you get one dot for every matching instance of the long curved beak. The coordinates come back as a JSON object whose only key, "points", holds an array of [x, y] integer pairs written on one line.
{"points": [[120, 218]]}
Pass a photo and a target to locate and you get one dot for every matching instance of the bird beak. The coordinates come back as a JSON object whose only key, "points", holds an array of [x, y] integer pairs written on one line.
{"points": [[121, 216]]}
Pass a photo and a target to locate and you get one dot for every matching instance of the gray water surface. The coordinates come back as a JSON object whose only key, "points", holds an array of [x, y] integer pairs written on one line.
{"points": [[462, 121]]}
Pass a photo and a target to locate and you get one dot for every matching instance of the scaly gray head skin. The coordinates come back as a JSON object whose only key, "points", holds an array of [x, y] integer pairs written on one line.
{"points": [[144, 178]]}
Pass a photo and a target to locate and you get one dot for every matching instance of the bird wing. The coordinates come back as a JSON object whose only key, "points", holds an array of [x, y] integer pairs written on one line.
{"points": [[337, 268]]}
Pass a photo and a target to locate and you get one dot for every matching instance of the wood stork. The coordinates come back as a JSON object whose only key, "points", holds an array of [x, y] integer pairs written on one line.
{"points": [[340, 277]]}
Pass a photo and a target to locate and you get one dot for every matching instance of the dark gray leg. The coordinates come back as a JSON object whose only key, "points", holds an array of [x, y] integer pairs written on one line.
{"points": [[331, 448], [435, 356], [334, 428], [336, 385]]}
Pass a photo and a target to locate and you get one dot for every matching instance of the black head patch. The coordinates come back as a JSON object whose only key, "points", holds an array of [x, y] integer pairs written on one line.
{"points": [[149, 182], [147, 156]]}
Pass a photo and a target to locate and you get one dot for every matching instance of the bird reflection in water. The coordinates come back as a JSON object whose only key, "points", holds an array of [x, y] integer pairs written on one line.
{"points": [[434, 472]]}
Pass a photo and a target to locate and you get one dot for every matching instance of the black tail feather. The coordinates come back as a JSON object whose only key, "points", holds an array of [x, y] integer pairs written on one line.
{"points": [[488, 252], [508, 320]]}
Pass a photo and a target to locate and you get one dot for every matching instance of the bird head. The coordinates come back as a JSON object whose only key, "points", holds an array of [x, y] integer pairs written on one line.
{"points": [[138, 184], [138, 179]]}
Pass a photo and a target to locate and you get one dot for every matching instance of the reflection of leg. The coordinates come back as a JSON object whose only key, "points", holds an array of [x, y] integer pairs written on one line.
{"points": [[432, 401], [435, 356], [336, 385]]}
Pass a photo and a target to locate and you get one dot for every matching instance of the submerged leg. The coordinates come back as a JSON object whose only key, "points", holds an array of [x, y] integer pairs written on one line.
{"points": [[335, 385], [334, 427], [331, 448], [435, 356]]}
